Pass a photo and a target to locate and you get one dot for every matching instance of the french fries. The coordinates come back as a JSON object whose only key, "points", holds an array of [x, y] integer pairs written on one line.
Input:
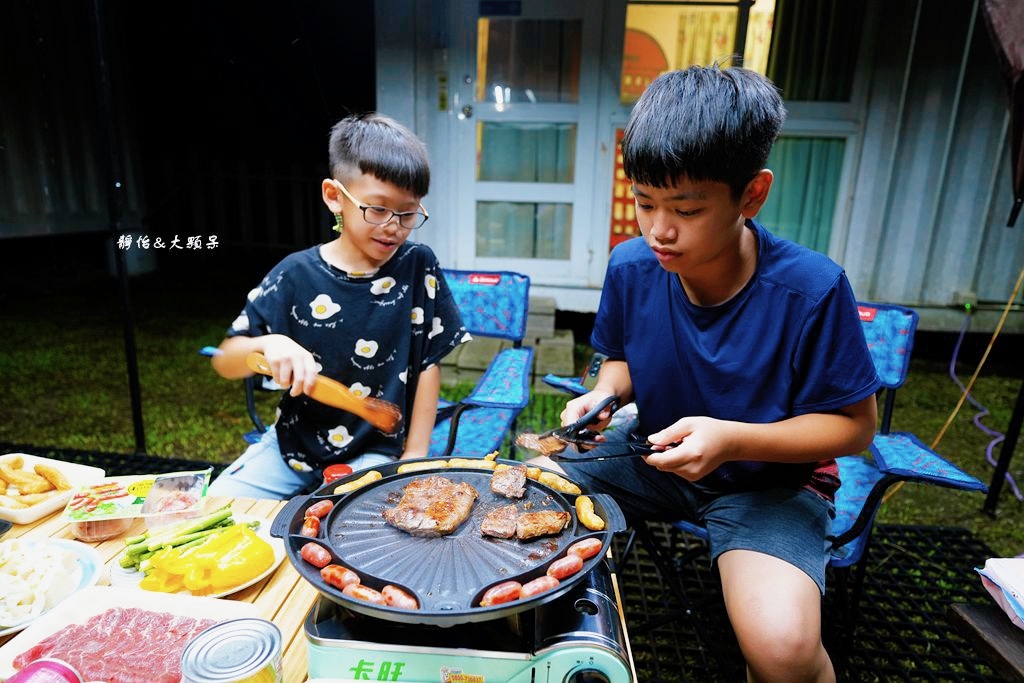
{"points": [[21, 488], [54, 476], [15, 461], [12, 502], [585, 513], [33, 498], [368, 478], [26, 482]]}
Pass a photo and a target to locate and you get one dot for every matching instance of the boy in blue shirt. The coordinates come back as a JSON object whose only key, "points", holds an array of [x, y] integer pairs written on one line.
{"points": [[744, 355], [367, 308]]}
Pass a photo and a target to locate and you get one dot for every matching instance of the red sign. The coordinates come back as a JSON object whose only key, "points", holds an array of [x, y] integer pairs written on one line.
{"points": [[867, 314], [484, 279], [623, 225]]}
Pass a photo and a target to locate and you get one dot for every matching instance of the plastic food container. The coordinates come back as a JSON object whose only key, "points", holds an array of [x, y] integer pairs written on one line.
{"points": [[108, 507], [101, 529], [174, 498]]}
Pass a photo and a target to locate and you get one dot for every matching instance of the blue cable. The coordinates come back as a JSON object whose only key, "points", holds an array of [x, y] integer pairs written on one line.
{"points": [[997, 437]]}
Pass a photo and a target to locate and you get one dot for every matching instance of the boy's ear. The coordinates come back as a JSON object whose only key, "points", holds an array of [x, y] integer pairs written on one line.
{"points": [[756, 193], [331, 195]]}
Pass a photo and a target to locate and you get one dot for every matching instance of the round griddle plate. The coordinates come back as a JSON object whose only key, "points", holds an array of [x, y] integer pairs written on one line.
{"points": [[447, 574]]}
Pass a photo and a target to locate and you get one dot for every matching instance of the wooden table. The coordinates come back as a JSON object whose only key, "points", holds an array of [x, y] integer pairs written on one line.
{"points": [[989, 629], [284, 597]]}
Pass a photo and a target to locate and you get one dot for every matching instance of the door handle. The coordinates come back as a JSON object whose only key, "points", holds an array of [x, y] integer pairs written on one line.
{"points": [[467, 112]]}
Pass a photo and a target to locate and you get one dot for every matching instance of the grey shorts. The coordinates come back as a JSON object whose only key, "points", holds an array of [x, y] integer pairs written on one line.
{"points": [[787, 523]]}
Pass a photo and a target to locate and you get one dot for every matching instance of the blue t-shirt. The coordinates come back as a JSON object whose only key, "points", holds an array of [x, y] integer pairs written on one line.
{"points": [[374, 332], [789, 343]]}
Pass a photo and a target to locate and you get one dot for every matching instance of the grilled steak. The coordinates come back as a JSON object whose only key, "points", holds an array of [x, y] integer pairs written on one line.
{"points": [[543, 523], [509, 482], [500, 522], [432, 506]]}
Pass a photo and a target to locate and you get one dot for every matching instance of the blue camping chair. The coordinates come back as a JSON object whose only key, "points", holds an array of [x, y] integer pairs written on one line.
{"points": [[895, 457], [492, 304]]}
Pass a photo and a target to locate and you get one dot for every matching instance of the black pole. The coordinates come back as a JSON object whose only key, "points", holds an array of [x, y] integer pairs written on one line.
{"points": [[1005, 455], [740, 39], [112, 175]]}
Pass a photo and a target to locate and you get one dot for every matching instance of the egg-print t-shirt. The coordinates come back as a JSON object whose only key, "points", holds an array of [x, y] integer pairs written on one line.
{"points": [[373, 332]]}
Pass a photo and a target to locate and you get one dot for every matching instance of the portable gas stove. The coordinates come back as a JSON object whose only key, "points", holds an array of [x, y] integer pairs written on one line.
{"points": [[577, 638]]}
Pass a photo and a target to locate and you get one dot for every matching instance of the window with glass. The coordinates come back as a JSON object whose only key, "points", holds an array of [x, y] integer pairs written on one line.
{"points": [[528, 60], [523, 67], [803, 197], [526, 152], [523, 230]]}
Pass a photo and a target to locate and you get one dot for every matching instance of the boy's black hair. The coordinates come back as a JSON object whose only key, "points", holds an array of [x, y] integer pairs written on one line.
{"points": [[379, 145], [704, 124]]}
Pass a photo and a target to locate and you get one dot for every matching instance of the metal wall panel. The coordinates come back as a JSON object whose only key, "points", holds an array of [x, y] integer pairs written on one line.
{"points": [[927, 224]]}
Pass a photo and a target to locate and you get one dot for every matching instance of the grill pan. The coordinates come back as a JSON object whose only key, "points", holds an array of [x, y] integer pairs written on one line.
{"points": [[447, 574]]}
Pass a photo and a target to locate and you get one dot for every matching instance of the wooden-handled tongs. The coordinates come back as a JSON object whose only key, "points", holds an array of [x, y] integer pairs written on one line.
{"points": [[383, 415], [552, 442]]}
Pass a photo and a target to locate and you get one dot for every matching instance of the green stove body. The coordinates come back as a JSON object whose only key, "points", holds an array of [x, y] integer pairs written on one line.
{"points": [[578, 638]]}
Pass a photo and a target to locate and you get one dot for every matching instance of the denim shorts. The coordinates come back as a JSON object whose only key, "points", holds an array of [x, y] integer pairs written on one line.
{"points": [[791, 524], [261, 472]]}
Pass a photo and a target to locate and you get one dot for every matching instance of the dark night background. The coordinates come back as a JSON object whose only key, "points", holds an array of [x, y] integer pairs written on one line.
{"points": [[194, 84], [244, 80]]}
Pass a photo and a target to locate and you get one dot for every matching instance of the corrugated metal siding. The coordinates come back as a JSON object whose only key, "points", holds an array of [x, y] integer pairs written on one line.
{"points": [[932, 191], [242, 203]]}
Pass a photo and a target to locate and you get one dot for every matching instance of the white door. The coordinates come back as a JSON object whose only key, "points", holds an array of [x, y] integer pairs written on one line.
{"points": [[524, 132]]}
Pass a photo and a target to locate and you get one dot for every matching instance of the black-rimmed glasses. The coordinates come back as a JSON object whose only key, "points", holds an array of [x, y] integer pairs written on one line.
{"points": [[382, 215]]}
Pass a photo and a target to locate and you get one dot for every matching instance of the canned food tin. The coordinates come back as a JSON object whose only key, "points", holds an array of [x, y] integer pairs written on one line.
{"points": [[47, 671], [246, 650]]}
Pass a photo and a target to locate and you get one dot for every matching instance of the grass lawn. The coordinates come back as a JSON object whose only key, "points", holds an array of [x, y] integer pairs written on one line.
{"points": [[65, 385]]}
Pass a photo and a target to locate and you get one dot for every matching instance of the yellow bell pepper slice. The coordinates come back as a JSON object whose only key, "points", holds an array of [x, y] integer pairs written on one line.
{"points": [[247, 559], [227, 559]]}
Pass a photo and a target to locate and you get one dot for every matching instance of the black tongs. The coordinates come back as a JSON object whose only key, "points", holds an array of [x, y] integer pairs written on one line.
{"points": [[552, 442]]}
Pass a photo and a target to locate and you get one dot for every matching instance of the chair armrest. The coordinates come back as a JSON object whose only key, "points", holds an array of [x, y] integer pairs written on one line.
{"points": [[570, 385], [904, 455], [898, 456]]}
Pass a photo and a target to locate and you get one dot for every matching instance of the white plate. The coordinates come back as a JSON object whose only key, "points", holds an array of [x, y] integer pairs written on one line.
{"points": [[78, 476], [95, 600], [87, 573], [130, 578]]}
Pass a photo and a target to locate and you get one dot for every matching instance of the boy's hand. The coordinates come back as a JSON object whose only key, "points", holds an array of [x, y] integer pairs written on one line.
{"points": [[704, 444], [291, 364], [581, 405]]}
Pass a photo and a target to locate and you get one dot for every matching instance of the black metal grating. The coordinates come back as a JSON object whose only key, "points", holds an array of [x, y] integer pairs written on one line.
{"points": [[115, 464], [902, 634]]}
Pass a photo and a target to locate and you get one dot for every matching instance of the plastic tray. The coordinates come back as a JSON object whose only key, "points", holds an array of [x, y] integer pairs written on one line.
{"points": [[78, 475], [97, 599]]}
